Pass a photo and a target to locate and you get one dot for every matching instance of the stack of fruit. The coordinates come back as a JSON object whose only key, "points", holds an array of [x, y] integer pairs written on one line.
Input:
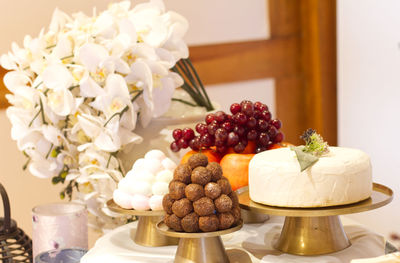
{"points": [[249, 122], [200, 198], [232, 139]]}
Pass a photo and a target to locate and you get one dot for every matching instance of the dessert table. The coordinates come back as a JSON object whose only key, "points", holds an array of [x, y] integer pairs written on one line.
{"points": [[253, 243]]}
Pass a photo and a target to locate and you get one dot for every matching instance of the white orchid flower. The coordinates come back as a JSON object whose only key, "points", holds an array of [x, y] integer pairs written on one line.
{"points": [[99, 64], [20, 119], [58, 80], [43, 168], [115, 99], [149, 24]]}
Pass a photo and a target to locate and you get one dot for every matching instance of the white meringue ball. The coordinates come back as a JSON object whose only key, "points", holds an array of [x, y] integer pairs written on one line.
{"points": [[125, 185], [152, 165], [168, 164], [139, 165], [144, 175], [141, 188], [164, 176], [122, 199], [140, 202], [155, 202], [160, 188], [155, 154]]}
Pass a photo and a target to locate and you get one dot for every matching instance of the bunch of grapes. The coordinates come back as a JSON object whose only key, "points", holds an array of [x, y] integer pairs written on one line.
{"points": [[248, 122]]}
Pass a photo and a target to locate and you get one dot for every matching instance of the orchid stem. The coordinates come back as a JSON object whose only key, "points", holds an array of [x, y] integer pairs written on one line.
{"points": [[42, 111], [26, 164], [48, 153], [34, 118], [116, 114], [37, 86]]}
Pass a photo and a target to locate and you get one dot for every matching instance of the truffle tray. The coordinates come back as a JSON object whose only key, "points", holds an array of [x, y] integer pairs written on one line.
{"points": [[315, 231], [146, 233], [200, 247]]}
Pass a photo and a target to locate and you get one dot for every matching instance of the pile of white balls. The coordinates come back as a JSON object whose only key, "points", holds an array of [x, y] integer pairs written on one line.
{"points": [[145, 185]]}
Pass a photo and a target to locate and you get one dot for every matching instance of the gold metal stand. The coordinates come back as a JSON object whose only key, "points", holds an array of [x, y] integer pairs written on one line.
{"points": [[248, 216], [316, 231], [146, 233], [199, 247]]}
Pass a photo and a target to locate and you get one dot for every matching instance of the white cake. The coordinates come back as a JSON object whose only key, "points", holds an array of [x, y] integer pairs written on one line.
{"points": [[342, 176]]}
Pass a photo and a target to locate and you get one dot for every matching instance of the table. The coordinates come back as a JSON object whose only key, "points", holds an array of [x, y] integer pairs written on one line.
{"points": [[253, 243]]}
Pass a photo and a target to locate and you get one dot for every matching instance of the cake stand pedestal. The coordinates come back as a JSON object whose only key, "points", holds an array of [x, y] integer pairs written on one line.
{"points": [[316, 231], [199, 247], [146, 233]]}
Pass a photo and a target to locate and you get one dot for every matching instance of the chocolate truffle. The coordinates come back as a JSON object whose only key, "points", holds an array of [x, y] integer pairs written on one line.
{"points": [[182, 207], [190, 223], [236, 214], [204, 206], [235, 199], [216, 171], [167, 203], [173, 222], [183, 173], [201, 175], [225, 186], [222, 203], [208, 223], [197, 160], [177, 190], [194, 192], [212, 190], [225, 220]]}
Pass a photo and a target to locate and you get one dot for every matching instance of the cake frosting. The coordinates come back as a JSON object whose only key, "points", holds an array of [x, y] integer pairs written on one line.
{"points": [[342, 176]]}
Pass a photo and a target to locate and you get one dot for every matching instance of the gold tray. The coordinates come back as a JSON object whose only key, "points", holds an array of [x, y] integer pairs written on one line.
{"points": [[204, 247], [381, 195], [116, 208], [316, 231], [146, 233]]}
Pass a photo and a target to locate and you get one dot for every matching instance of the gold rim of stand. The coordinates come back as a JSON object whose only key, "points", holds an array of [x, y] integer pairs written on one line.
{"points": [[315, 231]]}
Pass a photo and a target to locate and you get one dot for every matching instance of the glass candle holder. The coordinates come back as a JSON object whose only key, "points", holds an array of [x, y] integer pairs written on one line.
{"points": [[59, 225]]}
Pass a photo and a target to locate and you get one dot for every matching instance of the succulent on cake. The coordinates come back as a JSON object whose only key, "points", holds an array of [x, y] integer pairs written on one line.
{"points": [[200, 198], [145, 185], [315, 147]]}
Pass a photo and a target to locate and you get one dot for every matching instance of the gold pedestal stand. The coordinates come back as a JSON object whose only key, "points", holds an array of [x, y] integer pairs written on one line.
{"points": [[146, 233], [199, 247], [316, 231]]}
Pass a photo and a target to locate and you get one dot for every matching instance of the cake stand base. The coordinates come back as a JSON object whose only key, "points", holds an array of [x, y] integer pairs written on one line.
{"points": [[312, 235], [315, 230], [201, 250], [204, 247], [146, 233], [250, 217]]}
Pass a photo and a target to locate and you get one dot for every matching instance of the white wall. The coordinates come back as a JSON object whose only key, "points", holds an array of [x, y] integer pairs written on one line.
{"points": [[369, 94]]}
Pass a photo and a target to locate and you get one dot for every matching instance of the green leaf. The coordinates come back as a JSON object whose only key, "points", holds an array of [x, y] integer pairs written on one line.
{"points": [[305, 159]]}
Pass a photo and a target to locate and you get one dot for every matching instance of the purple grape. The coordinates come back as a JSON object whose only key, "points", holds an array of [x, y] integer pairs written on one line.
{"points": [[233, 139]]}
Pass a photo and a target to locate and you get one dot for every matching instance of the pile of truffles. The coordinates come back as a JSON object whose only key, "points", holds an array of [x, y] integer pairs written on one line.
{"points": [[200, 198]]}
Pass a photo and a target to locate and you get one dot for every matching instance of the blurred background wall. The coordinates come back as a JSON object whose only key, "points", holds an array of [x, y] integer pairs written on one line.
{"points": [[369, 94]]}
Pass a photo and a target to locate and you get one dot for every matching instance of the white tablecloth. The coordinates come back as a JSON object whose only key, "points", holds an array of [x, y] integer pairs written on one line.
{"points": [[253, 243]]}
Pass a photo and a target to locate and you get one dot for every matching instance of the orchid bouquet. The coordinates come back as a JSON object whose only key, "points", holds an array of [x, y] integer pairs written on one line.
{"points": [[80, 89]]}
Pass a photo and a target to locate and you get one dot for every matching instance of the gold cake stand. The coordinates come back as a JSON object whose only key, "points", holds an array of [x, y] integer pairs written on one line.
{"points": [[199, 247], [146, 233], [316, 231]]}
